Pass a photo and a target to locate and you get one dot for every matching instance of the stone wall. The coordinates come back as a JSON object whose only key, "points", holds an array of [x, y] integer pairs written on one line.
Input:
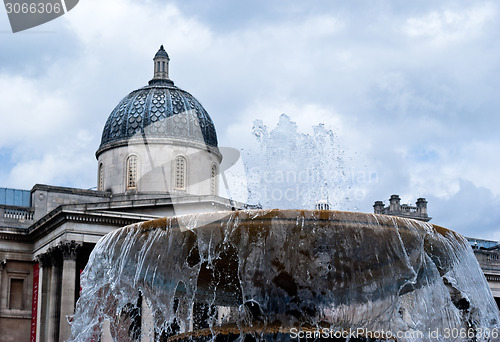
{"points": [[16, 286]]}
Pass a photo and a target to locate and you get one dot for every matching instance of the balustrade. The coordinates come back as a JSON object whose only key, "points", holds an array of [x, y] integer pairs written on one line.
{"points": [[16, 213]]}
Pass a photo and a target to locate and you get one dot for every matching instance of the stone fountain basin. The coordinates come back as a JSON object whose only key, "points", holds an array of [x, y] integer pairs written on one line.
{"points": [[296, 268], [299, 254]]}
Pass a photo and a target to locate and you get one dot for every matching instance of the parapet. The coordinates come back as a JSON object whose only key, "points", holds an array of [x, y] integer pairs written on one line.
{"points": [[395, 208]]}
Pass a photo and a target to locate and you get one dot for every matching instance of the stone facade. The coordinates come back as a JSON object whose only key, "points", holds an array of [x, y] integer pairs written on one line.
{"points": [[16, 282], [59, 244], [157, 168]]}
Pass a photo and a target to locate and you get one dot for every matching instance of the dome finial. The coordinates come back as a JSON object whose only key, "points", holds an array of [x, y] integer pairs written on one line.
{"points": [[161, 60]]}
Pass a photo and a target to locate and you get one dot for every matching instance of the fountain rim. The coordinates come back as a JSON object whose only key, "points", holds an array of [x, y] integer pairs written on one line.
{"points": [[334, 216]]}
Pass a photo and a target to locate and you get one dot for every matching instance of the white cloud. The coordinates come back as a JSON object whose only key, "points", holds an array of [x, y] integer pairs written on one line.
{"points": [[441, 175], [121, 27], [472, 211], [30, 112], [448, 25], [60, 165], [479, 163]]}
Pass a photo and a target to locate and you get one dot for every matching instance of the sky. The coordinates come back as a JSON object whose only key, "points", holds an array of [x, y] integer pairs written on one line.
{"points": [[409, 90]]}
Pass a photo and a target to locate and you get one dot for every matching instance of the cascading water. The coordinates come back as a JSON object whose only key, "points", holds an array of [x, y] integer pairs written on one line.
{"points": [[281, 275]]}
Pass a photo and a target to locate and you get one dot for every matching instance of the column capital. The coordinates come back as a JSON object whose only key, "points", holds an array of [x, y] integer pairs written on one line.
{"points": [[44, 259], [69, 249], [54, 256]]}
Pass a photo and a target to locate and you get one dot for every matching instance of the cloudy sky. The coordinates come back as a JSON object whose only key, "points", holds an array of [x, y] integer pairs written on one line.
{"points": [[410, 89]]}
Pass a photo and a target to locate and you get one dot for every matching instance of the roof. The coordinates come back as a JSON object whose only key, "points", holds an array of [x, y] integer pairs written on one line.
{"points": [[482, 244], [159, 110], [161, 53]]}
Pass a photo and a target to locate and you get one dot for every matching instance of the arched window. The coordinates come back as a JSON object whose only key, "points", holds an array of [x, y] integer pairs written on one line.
{"points": [[100, 178], [213, 180], [180, 173], [132, 172]]}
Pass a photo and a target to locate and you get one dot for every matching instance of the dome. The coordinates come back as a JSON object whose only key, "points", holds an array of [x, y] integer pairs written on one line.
{"points": [[161, 53], [158, 110]]}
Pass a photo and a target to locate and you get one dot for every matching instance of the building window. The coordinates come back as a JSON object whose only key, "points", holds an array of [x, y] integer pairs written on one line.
{"points": [[180, 173], [132, 172], [213, 180], [100, 181], [16, 294]]}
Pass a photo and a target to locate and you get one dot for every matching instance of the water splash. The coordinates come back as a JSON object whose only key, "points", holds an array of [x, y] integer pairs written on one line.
{"points": [[295, 170], [266, 272]]}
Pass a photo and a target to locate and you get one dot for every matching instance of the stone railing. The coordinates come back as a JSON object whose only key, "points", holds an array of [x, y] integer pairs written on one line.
{"points": [[405, 209], [409, 209], [492, 277], [16, 213]]}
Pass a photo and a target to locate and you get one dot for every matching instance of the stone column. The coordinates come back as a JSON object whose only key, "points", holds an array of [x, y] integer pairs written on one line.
{"points": [[39, 299], [2, 263], [54, 299], [68, 287], [43, 293]]}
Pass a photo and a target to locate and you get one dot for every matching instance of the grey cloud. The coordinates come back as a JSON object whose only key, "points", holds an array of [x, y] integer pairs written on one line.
{"points": [[473, 211], [400, 93]]}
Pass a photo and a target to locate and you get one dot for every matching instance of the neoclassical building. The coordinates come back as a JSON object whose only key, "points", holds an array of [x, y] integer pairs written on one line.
{"points": [[158, 157]]}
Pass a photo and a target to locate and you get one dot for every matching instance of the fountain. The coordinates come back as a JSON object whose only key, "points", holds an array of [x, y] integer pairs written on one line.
{"points": [[284, 275], [279, 274]]}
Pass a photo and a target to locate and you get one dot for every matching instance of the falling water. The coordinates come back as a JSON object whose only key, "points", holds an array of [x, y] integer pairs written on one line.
{"points": [[270, 274]]}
